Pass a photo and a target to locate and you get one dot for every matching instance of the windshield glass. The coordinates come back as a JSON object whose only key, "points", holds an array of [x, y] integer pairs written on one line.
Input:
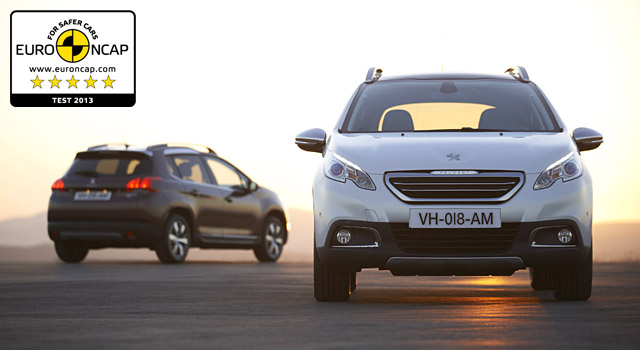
{"points": [[449, 105]]}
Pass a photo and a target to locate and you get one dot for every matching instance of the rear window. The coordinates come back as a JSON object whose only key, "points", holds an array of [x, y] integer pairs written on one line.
{"points": [[110, 165]]}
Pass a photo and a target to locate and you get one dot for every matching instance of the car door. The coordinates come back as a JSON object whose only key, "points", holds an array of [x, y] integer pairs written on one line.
{"points": [[242, 208], [207, 200]]}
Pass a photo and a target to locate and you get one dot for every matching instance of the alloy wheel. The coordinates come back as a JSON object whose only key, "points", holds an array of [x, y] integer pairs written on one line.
{"points": [[273, 239], [178, 241]]}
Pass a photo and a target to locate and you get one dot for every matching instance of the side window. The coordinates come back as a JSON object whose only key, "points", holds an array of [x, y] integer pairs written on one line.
{"points": [[172, 167], [133, 166], [224, 174], [190, 168]]}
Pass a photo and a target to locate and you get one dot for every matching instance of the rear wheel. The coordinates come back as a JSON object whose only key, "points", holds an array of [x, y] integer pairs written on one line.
{"points": [[176, 238], [576, 284], [272, 240], [330, 285], [542, 279], [71, 252]]}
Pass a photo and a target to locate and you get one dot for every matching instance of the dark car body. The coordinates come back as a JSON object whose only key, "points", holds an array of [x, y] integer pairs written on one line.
{"points": [[146, 186]]}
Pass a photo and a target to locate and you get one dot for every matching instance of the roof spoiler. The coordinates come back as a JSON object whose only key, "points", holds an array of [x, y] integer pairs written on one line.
{"points": [[109, 146], [192, 146], [519, 73]]}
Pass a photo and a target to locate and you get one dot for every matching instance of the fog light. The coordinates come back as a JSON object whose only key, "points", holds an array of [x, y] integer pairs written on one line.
{"points": [[343, 236], [565, 236]]}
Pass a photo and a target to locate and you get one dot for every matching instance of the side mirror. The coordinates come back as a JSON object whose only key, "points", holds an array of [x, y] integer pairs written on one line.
{"points": [[238, 191], [253, 186], [312, 140], [587, 139]]}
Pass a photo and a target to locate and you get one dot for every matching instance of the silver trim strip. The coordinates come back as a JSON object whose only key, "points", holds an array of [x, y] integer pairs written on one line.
{"points": [[404, 198], [374, 245], [534, 245]]}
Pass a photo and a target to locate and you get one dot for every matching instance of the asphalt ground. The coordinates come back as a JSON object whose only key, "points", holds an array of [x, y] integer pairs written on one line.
{"points": [[147, 305]]}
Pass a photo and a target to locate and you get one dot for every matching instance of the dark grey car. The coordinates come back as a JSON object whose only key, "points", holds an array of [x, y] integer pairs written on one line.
{"points": [[164, 197]]}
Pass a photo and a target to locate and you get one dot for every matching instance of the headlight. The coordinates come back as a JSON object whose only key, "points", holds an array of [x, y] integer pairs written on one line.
{"points": [[339, 169], [567, 169]]}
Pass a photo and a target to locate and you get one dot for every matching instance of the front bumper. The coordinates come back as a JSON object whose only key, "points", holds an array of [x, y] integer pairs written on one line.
{"points": [[387, 255]]}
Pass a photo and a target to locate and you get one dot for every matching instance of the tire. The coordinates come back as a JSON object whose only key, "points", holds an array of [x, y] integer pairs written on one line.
{"points": [[576, 284], [354, 281], [175, 241], [272, 241], [542, 279], [330, 285], [71, 252]]}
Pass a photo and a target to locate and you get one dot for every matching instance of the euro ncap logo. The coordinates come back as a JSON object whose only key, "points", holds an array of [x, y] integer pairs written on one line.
{"points": [[73, 58], [72, 46]]}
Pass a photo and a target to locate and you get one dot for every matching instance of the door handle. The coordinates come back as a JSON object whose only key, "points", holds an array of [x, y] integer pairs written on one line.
{"points": [[194, 193]]}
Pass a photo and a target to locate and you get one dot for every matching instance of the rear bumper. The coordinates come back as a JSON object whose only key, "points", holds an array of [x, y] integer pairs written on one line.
{"points": [[96, 234], [387, 255]]}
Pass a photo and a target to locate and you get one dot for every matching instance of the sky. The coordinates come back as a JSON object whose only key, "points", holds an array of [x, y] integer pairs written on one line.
{"points": [[245, 77]]}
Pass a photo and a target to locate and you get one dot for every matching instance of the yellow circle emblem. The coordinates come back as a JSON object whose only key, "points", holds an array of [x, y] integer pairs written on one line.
{"points": [[72, 46]]}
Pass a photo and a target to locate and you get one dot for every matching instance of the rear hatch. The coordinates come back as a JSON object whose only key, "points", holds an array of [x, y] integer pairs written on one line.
{"points": [[95, 187]]}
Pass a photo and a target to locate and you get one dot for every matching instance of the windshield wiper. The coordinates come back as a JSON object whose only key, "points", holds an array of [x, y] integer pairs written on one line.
{"points": [[91, 173], [464, 129], [475, 130]]}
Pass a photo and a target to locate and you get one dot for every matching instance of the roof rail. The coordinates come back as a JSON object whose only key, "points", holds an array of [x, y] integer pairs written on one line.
{"points": [[373, 75], [108, 146], [193, 146], [519, 73]]}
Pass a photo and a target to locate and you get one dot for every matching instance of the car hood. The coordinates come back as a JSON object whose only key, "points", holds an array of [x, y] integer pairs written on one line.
{"points": [[382, 152]]}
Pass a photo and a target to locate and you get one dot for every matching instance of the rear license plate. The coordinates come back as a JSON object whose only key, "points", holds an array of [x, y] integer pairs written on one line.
{"points": [[454, 218], [93, 196]]}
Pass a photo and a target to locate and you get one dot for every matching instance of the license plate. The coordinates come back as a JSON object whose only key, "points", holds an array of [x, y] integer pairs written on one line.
{"points": [[93, 196], [454, 218]]}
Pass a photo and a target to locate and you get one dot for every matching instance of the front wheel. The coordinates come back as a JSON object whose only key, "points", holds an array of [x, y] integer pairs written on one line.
{"points": [[272, 241], [174, 243], [576, 284], [330, 285], [71, 252]]}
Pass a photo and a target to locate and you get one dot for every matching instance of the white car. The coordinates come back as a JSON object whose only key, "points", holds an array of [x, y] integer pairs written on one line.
{"points": [[452, 174]]}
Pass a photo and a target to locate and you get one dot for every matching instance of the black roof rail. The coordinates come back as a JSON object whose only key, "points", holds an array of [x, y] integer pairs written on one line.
{"points": [[519, 73], [108, 146], [373, 74], [192, 146]]}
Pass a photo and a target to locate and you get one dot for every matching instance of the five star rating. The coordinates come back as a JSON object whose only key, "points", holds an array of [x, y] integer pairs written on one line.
{"points": [[73, 82]]}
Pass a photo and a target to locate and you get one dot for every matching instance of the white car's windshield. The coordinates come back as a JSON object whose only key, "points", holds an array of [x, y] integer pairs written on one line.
{"points": [[449, 105]]}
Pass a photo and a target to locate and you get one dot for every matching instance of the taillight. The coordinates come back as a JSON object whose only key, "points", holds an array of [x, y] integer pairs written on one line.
{"points": [[133, 184], [58, 185], [143, 183]]}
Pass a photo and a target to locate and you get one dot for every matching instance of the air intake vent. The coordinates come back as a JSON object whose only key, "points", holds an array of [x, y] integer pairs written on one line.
{"points": [[454, 241]]}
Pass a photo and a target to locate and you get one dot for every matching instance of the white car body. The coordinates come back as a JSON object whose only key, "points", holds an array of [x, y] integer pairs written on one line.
{"points": [[377, 154], [370, 182]]}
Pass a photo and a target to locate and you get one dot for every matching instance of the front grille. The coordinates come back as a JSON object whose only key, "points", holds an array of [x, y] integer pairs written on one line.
{"points": [[454, 241], [468, 187]]}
